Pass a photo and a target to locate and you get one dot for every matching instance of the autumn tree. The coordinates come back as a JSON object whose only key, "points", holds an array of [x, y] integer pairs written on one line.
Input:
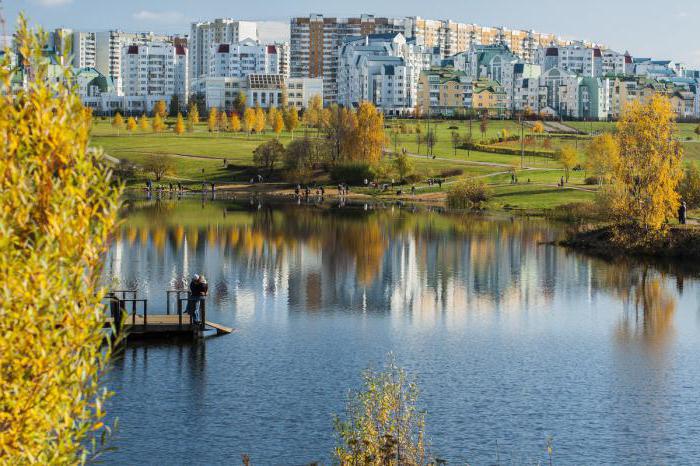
{"points": [[643, 188], [259, 120], [59, 209], [249, 118], [131, 124], [158, 124], [342, 135], [430, 139], [179, 125], [313, 116], [300, 158], [369, 133], [456, 141], [223, 121], [538, 128], [239, 103], [192, 117], [689, 187], [602, 157], [213, 119], [484, 124], [568, 158], [291, 120], [383, 424], [278, 124], [403, 165], [160, 109], [270, 117], [267, 154], [118, 122], [234, 123], [159, 166], [144, 123]]}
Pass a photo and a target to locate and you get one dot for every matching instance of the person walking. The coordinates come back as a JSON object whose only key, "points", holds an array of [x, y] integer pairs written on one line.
{"points": [[683, 213]]}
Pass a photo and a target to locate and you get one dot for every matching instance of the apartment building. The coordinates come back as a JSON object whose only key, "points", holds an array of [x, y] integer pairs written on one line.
{"points": [[243, 58], [84, 49], [206, 34], [444, 92], [576, 58], [383, 69], [489, 96], [108, 50], [283, 57], [264, 90], [73, 48], [153, 72]]}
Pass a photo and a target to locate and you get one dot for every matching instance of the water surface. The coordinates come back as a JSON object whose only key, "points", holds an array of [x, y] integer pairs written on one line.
{"points": [[512, 340]]}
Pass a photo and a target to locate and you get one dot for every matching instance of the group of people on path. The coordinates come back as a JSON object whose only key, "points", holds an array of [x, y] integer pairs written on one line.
{"points": [[199, 288]]}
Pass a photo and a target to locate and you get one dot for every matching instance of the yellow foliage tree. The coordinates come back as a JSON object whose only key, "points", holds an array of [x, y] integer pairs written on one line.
{"points": [[160, 109], [118, 122], [192, 117], [568, 158], [271, 115], [223, 121], [158, 124], [235, 123], [179, 125], [213, 119], [249, 118], [144, 123], [131, 124], [313, 116], [538, 128], [259, 120], [602, 157], [369, 133], [58, 210], [278, 124], [291, 120], [643, 188]]}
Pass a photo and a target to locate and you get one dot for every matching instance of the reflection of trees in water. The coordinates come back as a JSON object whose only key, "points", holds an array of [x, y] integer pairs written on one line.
{"points": [[650, 306]]}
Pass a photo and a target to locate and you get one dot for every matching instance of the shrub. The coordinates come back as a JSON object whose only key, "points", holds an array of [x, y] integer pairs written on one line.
{"points": [[352, 173], [689, 187], [468, 193], [447, 173], [592, 181], [453, 127]]}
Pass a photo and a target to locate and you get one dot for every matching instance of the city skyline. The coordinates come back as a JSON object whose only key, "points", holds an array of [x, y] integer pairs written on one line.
{"points": [[620, 28]]}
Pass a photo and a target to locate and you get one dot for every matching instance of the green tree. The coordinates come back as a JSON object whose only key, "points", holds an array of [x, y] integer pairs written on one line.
{"points": [[300, 159], [689, 187], [59, 209], [267, 154], [403, 165], [568, 158]]}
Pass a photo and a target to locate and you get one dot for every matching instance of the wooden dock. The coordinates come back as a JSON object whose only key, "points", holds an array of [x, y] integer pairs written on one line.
{"points": [[133, 317]]}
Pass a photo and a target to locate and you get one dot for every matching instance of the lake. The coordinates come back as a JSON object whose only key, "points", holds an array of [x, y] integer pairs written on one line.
{"points": [[513, 340]]}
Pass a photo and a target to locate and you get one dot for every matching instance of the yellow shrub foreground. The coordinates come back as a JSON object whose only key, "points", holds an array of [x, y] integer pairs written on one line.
{"points": [[57, 208]]}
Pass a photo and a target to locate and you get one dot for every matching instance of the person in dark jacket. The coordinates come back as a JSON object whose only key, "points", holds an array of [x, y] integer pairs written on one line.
{"points": [[198, 290], [683, 213]]}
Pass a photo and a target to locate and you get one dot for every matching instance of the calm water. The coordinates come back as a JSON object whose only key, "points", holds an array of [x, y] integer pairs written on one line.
{"points": [[512, 340]]}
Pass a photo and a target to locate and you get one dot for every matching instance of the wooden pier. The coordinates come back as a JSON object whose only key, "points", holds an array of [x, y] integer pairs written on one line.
{"points": [[132, 316]]}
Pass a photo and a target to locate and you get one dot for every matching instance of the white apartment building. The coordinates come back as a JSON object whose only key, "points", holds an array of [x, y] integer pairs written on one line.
{"points": [[156, 71], [108, 50], [615, 63], [260, 90], [243, 58], [383, 69], [206, 34], [576, 58], [84, 49]]}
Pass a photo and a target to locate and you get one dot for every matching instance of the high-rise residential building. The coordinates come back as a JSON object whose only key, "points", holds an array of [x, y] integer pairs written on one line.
{"points": [[84, 49], [243, 58], [156, 71], [577, 58], [219, 31], [283, 56], [383, 69], [108, 50]]}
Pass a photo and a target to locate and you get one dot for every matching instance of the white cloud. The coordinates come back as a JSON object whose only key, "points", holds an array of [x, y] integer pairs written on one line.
{"points": [[161, 17], [53, 2]]}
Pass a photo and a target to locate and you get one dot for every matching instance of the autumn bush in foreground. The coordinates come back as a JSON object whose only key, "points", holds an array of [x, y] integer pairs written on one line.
{"points": [[58, 208]]}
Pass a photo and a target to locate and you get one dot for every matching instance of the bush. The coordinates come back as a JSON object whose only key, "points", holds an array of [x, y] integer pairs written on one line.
{"points": [[689, 187], [447, 173], [453, 127], [592, 181], [352, 173], [468, 193]]}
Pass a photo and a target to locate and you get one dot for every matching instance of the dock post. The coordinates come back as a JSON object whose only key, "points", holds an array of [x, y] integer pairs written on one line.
{"points": [[202, 313], [179, 312], [145, 312]]}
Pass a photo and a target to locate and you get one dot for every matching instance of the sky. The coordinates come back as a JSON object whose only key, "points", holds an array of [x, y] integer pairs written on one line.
{"points": [[645, 28]]}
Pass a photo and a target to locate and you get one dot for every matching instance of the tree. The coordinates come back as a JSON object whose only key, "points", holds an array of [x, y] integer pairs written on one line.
{"points": [[369, 133], [484, 124], [403, 165], [118, 122], [192, 117], [158, 124], [538, 128], [144, 123], [456, 141], [291, 120], [643, 189], [160, 109], [342, 135], [59, 208], [420, 139], [235, 123], [179, 124], [270, 117], [222, 122], [470, 192], [382, 424], [159, 166], [259, 120], [602, 157], [697, 131], [249, 118], [239, 103], [568, 159], [267, 154], [213, 119], [278, 124], [313, 116], [431, 140], [300, 158], [131, 124], [689, 187], [174, 105]]}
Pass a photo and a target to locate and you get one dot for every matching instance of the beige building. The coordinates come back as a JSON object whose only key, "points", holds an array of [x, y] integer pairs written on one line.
{"points": [[443, 92], [489, 96]]}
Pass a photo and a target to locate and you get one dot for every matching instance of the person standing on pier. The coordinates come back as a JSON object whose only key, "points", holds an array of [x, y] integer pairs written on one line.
{"points": [[198, 290]]}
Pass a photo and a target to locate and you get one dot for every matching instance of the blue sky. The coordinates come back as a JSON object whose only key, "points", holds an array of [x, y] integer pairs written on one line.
{"points": [[661, 29]]}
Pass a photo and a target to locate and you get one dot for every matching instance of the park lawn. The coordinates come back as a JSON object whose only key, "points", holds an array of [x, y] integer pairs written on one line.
{"points": [[527, 197]]}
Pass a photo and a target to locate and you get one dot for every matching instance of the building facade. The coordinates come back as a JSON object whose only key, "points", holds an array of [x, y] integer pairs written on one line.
{"points": [[206, 34], [243, 58]]}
